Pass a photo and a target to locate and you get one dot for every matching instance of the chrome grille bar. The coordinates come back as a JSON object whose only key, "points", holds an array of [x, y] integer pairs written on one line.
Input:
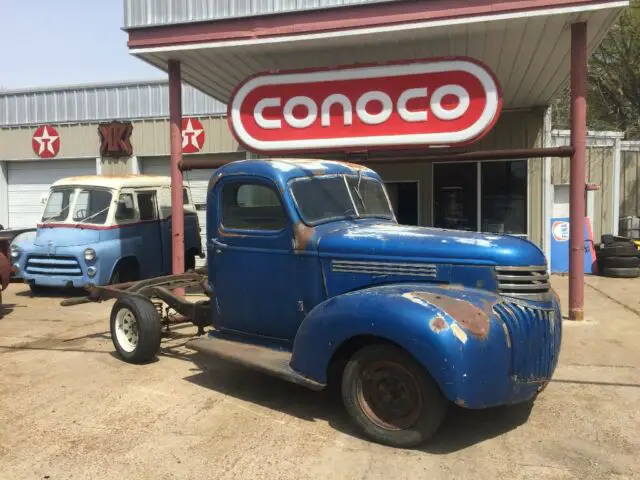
{"points": [[384, 268]]}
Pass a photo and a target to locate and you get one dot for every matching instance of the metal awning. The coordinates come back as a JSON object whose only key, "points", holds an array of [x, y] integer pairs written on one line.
{"points": [[528, 49]]}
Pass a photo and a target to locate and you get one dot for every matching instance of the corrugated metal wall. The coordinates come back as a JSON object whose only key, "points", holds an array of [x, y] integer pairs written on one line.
{"points": [[100, 103], [149, 138], [147, 13], [599, 169], [630, 180]]}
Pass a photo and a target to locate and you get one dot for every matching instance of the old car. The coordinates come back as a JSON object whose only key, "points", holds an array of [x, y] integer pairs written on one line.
{"points": [[104, 230], [311, 279]]}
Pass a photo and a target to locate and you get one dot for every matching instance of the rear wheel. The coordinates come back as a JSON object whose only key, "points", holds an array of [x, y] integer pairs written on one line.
{"points": [[621, 272], [390, 397], [135, 329], [37, 290], [126, 271]]}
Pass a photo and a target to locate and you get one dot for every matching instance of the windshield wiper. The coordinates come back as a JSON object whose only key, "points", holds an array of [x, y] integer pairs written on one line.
{"points": [[44, 220], [94, 214]]}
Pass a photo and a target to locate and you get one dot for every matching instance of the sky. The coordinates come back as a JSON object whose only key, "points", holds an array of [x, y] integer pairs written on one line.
{"points": [[64, 42]]}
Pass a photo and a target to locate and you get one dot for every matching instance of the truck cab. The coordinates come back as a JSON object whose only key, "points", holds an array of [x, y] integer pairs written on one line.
{"points": [[312, 279], [104, 230]]}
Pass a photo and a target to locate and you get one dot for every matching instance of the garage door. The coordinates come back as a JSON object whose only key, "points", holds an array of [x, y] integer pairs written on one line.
{"points": [[28, 181], [197, 180]]}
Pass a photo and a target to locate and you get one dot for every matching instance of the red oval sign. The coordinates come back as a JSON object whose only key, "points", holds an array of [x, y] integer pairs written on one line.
{"points": [[448, 102]]}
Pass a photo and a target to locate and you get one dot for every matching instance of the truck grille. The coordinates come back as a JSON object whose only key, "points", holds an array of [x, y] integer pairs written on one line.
{"points": [[522, 281], [53, 265], [535, 336]]}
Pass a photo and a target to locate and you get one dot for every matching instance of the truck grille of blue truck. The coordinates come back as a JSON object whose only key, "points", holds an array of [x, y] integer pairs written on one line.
{"points": [[524, 282], [535, 340], [53, 265]]}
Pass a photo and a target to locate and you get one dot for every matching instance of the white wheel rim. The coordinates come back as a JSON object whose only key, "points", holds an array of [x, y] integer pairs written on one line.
{"points": [[126, 330]]}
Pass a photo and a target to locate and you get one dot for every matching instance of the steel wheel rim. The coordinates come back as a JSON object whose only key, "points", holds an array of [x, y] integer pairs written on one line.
{"points": [[389, 395], [126, 330]]}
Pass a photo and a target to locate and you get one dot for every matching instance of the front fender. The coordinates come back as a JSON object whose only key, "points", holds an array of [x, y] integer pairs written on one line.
{"points": [[452, 332]]}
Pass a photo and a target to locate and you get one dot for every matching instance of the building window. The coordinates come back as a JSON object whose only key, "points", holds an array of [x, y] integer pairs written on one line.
{"points": [[481, 196], [504, 197], [456, 195]]}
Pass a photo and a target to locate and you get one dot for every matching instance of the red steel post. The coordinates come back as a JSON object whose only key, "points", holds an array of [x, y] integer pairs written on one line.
{"points": [[577, 178], [175, 129]]}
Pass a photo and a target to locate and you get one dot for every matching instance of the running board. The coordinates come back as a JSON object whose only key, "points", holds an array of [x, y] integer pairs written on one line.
{"points": [[265, 359]]}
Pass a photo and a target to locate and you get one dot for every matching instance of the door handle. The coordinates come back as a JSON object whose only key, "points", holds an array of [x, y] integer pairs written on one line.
{"points": [[218, 243]]}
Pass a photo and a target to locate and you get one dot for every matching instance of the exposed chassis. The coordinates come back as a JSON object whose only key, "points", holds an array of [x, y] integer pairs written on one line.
{"points": [[160, 288]]}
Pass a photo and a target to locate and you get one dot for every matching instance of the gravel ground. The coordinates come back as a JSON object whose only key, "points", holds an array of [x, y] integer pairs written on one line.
{"points": [[69, 408]]}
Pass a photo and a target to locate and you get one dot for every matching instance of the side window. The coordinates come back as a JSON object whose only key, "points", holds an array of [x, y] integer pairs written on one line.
{"points": [[125, 210], [147, 205], [250, 206]]}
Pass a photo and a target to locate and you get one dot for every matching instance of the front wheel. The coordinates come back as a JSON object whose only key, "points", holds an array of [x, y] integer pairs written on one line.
{"points": [[391, 398], [135, 329]]}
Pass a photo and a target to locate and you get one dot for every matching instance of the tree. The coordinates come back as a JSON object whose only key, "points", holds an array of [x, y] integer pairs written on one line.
{"points": [[614, 80]]}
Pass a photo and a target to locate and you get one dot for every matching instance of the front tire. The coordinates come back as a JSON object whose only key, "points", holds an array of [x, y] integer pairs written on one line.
{"points": [[135, 330], [391, 398]]}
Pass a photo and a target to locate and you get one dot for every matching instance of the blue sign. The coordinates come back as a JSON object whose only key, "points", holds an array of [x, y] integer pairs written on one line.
{"points": [[560, 246]]}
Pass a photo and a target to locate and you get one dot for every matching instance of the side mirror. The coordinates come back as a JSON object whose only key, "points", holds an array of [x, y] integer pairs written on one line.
{"points": [[43, 198], [127, 203]]}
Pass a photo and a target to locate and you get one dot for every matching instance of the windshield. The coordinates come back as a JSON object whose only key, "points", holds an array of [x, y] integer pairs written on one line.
{"points": [[92, 206], [85, 205], [57, 208], [324, 198]]}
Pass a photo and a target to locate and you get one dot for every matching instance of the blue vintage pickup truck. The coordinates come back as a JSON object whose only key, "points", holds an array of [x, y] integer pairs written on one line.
{"points": [[311, 278]]}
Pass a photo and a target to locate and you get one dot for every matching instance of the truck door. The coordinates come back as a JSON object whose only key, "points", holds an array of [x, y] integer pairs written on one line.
{"points": [[252, 261], [150, 253]]}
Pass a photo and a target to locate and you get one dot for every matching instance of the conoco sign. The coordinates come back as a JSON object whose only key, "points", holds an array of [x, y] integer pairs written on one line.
{"points": [[444, 102]]}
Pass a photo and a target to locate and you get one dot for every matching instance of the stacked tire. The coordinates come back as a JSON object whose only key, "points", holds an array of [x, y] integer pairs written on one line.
{"points": [[618, 257]]}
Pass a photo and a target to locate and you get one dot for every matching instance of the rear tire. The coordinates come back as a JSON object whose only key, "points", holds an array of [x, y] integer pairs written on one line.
{"points": [[37, 290], [621, 272], [620, 262], [189, 261], [390, 397], [126, 271], [135, 329], [627, 249]]}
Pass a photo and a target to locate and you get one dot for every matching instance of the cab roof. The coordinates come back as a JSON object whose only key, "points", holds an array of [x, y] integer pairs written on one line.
{"points": [[115, 182], [285, 169]]}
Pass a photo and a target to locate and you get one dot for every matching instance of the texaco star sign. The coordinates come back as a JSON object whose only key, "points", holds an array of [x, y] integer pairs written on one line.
{"points": [[192, 135], [46, 141]]}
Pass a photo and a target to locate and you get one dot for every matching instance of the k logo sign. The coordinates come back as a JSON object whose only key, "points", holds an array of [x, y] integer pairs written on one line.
{"points": [[450, 102]]}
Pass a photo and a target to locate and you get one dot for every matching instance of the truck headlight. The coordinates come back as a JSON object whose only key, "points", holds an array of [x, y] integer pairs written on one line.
{"points": [[15, 252], [90, 255]]}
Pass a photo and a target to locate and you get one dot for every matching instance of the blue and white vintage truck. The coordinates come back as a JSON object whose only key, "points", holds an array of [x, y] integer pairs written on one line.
{"points": [[310, 278], [102, 230]]}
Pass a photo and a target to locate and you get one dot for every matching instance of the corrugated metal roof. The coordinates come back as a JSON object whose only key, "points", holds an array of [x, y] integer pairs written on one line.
{"points": [[90, 103], [149, 13]]}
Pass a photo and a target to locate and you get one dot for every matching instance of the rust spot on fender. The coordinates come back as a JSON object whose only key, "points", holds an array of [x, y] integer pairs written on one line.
{"points": [[302, 236], [471, 318], [438, 324]]}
